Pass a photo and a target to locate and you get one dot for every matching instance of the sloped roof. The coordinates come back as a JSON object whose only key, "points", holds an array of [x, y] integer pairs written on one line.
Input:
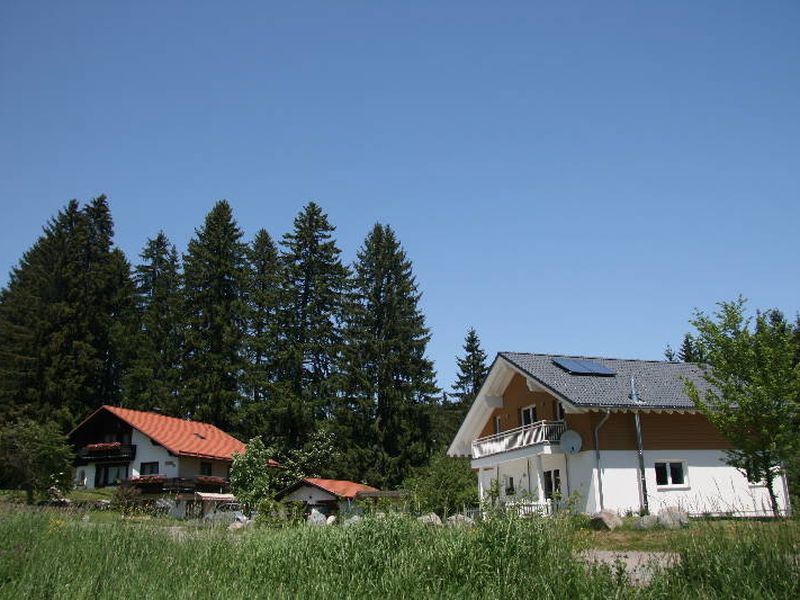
{"points": [[181, 437], [659, 384], [338, 487]]}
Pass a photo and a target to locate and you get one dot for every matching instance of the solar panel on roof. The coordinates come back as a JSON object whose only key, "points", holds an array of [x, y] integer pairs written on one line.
{"points": [[581, 366]]}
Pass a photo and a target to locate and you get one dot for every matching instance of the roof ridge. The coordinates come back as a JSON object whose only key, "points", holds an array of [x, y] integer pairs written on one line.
{"points": [[641, 360], [162, 416]]}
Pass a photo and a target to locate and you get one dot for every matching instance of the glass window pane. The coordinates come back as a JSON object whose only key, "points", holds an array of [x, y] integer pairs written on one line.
{"points": [[676, 473], [661, 474]]}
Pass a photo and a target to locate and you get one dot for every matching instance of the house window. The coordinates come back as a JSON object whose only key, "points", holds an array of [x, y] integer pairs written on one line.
{"points": [[497, 426], [552, 484], [559, 411], [148, 468], [510, 491], [205, 468], [528, 415], [670, 474], [110, 475]]}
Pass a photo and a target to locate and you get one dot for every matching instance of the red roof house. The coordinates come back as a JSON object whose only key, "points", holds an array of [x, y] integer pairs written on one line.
{"points": [[116, 444]]}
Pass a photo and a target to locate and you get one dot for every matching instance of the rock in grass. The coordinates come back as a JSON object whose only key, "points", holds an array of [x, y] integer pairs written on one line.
{"points": [[646, 522], [236, 525], [331, 520], [354, 520], [316, 518], [673, 517], [460, 521], [605, 519], [430, 519]]}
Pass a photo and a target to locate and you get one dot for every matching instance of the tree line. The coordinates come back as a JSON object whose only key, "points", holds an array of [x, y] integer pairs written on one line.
{"points": [[278, 340]]}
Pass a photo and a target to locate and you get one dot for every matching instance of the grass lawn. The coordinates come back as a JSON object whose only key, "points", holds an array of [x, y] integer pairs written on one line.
{"points": [[55, 554]]}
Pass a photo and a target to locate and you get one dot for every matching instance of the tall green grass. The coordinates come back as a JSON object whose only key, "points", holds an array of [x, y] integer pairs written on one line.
{"points": [[45, 554]]}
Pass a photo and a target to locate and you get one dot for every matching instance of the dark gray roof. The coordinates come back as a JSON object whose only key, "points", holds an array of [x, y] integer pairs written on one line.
{"points": [[659, 384]]}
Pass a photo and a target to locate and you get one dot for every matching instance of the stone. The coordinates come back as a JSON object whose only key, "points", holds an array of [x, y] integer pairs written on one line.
{"points": [[646, 522], [605, 519], [430, 519], [331, 520], [316, 518], [236, 525], [354, 520], [673, 517], [460, 521]]}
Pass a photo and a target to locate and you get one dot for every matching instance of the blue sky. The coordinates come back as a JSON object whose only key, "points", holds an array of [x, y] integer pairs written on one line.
{"points": [[567, 177]]}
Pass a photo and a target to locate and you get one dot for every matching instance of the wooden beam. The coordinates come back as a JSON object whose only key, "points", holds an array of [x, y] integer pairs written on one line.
{"points": [[494, 401]]}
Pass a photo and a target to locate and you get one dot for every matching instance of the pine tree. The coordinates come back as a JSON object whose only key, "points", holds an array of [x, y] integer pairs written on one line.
{"points": [[472, 370], [154, 378], [66, 318], [388, 383], [262, 335], [312, 288], [214, 317]]}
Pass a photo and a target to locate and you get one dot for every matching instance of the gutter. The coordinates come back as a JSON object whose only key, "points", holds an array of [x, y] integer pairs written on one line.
{"points": [[597, 456], [644, 509]]}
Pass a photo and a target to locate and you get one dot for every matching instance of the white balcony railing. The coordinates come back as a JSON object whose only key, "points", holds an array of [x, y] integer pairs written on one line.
{"points": [[521, 437]]}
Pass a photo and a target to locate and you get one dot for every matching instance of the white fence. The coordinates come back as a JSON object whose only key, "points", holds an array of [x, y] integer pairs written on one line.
{"points": [[521, 437]]}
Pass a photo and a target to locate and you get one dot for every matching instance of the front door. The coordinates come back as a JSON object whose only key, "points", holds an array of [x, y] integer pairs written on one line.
{"points": [[112, 474]]}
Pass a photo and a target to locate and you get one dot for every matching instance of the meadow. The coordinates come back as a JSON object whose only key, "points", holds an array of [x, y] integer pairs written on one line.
{"points": [[58, 554]]}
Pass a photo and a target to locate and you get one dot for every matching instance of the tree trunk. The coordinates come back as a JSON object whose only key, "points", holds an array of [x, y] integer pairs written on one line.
{"points": [[29, 493], [770, 480]]}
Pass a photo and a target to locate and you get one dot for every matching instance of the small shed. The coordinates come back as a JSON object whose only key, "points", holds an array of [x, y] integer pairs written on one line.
{"points": [[198, 504], [326, 495]]}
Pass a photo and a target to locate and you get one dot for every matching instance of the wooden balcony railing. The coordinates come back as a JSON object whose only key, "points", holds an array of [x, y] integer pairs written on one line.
{"points": [[520, 437], [106, 451]]}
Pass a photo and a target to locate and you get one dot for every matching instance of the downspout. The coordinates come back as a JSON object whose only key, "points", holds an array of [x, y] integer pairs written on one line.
{"points": [[643, 504], [597, 456]]}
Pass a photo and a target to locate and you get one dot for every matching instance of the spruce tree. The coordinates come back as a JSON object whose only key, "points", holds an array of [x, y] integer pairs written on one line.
{"points": [[472, 370], [66, 318], [262, 334], [313, 283], [690, 350], [214, 319], [154, 378], [388, 383]]}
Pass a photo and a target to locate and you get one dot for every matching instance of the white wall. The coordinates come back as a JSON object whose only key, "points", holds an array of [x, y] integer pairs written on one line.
{"points": [[711, 485], [309, 494], [146, 451], [190, 467]]}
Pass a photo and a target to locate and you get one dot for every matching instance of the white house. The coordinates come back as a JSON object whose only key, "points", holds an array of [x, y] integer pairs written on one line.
{"points": [[326, 495], [115, 445], [612, 434]]}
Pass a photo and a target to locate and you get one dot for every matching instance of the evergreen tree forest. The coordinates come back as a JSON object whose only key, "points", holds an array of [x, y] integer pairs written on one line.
{"points": [[275, 339]]}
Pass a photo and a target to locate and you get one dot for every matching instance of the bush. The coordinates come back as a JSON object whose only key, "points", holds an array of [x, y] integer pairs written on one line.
{"points": [[126, 499]]}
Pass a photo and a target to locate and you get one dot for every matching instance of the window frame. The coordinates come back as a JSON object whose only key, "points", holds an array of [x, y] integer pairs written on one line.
{"points": [[670, 485], [498, 425], [210, 468], [531, 409], [149, 464]]}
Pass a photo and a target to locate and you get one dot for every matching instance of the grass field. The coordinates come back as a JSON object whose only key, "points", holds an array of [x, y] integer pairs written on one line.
{"points": [[53, 554]]}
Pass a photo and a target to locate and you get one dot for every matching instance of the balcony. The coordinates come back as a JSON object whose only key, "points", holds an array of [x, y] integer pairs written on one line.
{"points": [[106, 451], [522, 437]]}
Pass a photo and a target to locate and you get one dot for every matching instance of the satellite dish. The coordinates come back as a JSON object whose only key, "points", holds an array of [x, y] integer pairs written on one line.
{"points": [[571, 441]]}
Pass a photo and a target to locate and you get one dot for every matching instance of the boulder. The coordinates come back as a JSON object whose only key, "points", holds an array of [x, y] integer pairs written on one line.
{"points": [[605, 519], [646, 522], [460, 521], [331, 520], [430, 519], [673, 517], [316, 518], [354, 520], [236, 525]]}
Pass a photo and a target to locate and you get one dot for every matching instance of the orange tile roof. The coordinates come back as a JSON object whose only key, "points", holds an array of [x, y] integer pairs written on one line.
{"points": [[337, 487], [183, 438]]}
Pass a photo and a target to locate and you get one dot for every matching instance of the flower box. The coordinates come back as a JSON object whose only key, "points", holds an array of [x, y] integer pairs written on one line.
{"points": [[210, 480], [103, 447], [145, 479]]}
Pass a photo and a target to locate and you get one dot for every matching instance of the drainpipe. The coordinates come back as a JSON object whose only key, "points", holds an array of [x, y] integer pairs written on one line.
{"points": [[597, 456], [643, 504]]}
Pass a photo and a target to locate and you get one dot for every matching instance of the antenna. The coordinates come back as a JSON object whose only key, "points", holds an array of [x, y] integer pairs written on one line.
{"points": [[571, 441]]}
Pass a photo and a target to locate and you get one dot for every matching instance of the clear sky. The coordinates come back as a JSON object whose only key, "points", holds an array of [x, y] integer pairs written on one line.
{"points": [[568, 177]]}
